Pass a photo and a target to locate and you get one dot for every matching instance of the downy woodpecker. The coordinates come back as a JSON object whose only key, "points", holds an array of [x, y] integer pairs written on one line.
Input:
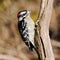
{"points": [[26, 29]]}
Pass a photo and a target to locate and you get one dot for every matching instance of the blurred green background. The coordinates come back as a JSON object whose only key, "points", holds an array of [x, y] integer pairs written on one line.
{"points": [[10, 40]]}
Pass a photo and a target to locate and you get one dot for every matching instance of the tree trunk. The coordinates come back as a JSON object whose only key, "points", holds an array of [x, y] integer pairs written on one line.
{"points": [[45, 17]]}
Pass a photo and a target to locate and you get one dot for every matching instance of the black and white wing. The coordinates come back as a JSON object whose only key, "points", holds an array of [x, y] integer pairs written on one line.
{"points": [[23, 30]]}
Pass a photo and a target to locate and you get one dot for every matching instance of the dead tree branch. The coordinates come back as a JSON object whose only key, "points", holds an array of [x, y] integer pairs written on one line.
{"points": [[43, 43]]}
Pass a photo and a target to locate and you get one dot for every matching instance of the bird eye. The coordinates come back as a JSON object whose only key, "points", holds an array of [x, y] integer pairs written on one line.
{"points": [[22, 13]]}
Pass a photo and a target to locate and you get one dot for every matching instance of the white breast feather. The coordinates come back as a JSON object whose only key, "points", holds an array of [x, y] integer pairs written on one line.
{"points": [[30, 25]]}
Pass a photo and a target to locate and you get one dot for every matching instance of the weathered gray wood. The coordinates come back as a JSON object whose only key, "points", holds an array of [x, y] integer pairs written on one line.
{"points": [[45, 22], [45, 17]]}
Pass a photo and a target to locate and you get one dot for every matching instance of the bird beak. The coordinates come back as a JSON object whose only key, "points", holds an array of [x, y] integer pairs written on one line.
{"points": [[28, 12]]}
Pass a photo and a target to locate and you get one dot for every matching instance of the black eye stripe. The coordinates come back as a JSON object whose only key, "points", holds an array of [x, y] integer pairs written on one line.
{"points": [[23, 11]]}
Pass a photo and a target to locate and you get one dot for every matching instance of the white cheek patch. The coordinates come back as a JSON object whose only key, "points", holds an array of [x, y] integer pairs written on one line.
{"points": [[20, 18]]}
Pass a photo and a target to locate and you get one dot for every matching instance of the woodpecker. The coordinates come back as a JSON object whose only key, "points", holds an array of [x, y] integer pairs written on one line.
{"points": [[26, 29]]}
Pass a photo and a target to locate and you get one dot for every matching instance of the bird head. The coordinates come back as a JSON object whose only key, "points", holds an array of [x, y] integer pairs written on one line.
{"points": [[23, 14]]}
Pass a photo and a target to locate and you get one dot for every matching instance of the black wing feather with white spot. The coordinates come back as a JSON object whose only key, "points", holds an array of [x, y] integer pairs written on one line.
{"points": [[22, 27]]}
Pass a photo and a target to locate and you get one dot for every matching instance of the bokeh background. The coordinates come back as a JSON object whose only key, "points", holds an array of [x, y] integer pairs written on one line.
{"points": [[10, 40]]}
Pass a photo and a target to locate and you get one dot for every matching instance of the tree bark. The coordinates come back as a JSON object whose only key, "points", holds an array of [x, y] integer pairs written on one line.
{"points": [[45, 17]]}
